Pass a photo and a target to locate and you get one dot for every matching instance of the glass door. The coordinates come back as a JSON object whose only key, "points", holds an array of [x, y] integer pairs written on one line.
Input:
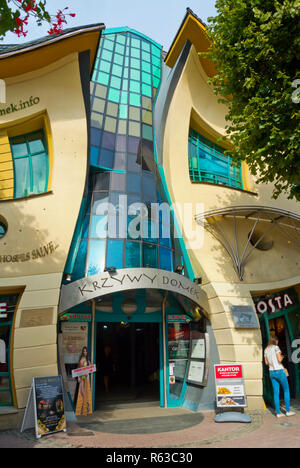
{"points": [[177, 362]]}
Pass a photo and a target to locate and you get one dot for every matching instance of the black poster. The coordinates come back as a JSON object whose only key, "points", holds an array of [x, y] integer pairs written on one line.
{"points": [[49, 405]]}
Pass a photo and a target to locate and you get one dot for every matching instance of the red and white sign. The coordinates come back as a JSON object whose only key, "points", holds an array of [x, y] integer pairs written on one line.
{"points": [[230, 388], [229, 372], [274, 303], [3, 310], [83, 371]]}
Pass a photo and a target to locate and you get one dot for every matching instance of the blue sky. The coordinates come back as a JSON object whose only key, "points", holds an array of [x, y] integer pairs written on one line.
{"points": [[158, 19]]}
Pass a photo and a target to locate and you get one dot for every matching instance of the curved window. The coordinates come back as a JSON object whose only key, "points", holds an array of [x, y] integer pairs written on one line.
{"points": [[30, 160], [3, 230], [208, 163]]}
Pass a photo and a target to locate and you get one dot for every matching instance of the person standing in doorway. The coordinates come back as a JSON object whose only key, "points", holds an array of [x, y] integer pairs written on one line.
{"points": [[107, 367], [273, 359]]}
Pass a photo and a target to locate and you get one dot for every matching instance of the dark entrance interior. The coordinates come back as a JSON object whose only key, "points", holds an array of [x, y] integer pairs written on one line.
{"points": [[127, 363]]}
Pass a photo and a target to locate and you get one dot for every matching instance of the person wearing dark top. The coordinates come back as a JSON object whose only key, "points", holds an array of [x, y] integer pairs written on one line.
{"points": [[107, 367]]}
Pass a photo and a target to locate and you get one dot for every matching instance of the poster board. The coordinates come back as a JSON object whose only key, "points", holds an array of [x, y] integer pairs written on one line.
{"points": [[45, 409], [230, 387]]}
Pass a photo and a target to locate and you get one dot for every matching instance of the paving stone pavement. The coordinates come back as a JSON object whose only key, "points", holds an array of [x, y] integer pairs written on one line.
{"points": [[265, 431]]}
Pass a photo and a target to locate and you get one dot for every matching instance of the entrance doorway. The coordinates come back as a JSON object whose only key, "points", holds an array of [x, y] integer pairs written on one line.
{"points": [[285, 325], [128, 363]]}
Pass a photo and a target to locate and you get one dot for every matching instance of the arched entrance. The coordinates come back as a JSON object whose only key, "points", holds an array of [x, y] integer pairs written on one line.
{"points": [[156, 335]]}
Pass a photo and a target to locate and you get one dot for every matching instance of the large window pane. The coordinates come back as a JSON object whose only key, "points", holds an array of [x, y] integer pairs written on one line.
{"points": [[96, 257], [114, 255], [36, 144], [149, 256], [133, 254], [39, 172], [22, 177], [79, 267]]}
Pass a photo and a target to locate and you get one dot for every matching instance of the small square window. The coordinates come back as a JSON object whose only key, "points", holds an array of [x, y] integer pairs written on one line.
{"points": [[135, 53], [122, 127], [147, 132], [135, 43], [116, 70], [135, 63], [135, 100], [120, 49], [135, 75], [115, 82], [103, 78], [105, 66], [156, 71], [146, 56], [146, 67], [134, 113], [123, 111], [146, 90], [107, 44], [145, 46], [114, 95], [112, 109], [135, 86], [156, 82], [110, 125], [121, 39], [118, 59], [156, 51], [98, 105], [100, 91], [134, 129], [146, 78], [106, 55]]}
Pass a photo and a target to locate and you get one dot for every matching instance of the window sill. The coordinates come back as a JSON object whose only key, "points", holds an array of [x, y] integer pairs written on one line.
{"points": [[225, 187], [35, 195]]}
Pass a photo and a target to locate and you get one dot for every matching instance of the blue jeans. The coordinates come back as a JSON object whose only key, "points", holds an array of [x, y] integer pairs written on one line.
{"points": [[279, 378]]}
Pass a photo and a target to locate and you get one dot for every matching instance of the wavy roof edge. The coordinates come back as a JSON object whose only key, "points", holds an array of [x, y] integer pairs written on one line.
{"points": [[7, 50]]}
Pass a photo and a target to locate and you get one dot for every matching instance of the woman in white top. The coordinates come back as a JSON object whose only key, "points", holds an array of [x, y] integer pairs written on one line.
{"points": [[273, 359]]}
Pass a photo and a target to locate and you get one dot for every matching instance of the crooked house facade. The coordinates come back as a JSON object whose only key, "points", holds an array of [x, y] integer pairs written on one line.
{"points": [[125, 225]]}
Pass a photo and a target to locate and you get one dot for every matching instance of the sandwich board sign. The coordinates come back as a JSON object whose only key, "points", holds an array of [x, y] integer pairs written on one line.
{"points": [[45, 409], [230, 388]]}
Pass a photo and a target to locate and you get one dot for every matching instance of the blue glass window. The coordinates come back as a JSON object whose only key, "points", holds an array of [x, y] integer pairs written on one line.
{"points": [[133, 254], [165, 259], [114, 256], [31, 164], [149, 255], [208, 163], [96, 257], [79, 267], [3, 230]]}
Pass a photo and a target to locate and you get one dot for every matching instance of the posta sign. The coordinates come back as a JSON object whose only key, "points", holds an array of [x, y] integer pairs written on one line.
{"points": [[3, 310], [273, 304], [229, 372]]}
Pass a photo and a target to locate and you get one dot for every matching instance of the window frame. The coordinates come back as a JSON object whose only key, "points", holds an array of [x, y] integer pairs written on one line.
{"points": [[29, 156], [197, 174]]}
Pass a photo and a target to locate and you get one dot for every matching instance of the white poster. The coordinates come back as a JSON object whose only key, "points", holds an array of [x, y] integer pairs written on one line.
{"points": [[196, 371], [198, 349], [75, 337]]}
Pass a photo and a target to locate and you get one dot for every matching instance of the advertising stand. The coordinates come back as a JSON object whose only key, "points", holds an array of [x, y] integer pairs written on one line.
{"points": [[45, 409], [230, 394]]}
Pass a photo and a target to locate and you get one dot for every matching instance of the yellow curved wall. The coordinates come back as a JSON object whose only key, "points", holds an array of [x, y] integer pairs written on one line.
{"points": [[195, 103], [40, 228]]}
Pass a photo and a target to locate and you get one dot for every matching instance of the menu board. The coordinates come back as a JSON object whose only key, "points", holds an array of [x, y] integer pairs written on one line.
{"points": [[230, 389], [45, 407]]}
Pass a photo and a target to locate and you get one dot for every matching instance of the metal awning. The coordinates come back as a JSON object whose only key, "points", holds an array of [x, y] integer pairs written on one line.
{"points": [[261, 217]]}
